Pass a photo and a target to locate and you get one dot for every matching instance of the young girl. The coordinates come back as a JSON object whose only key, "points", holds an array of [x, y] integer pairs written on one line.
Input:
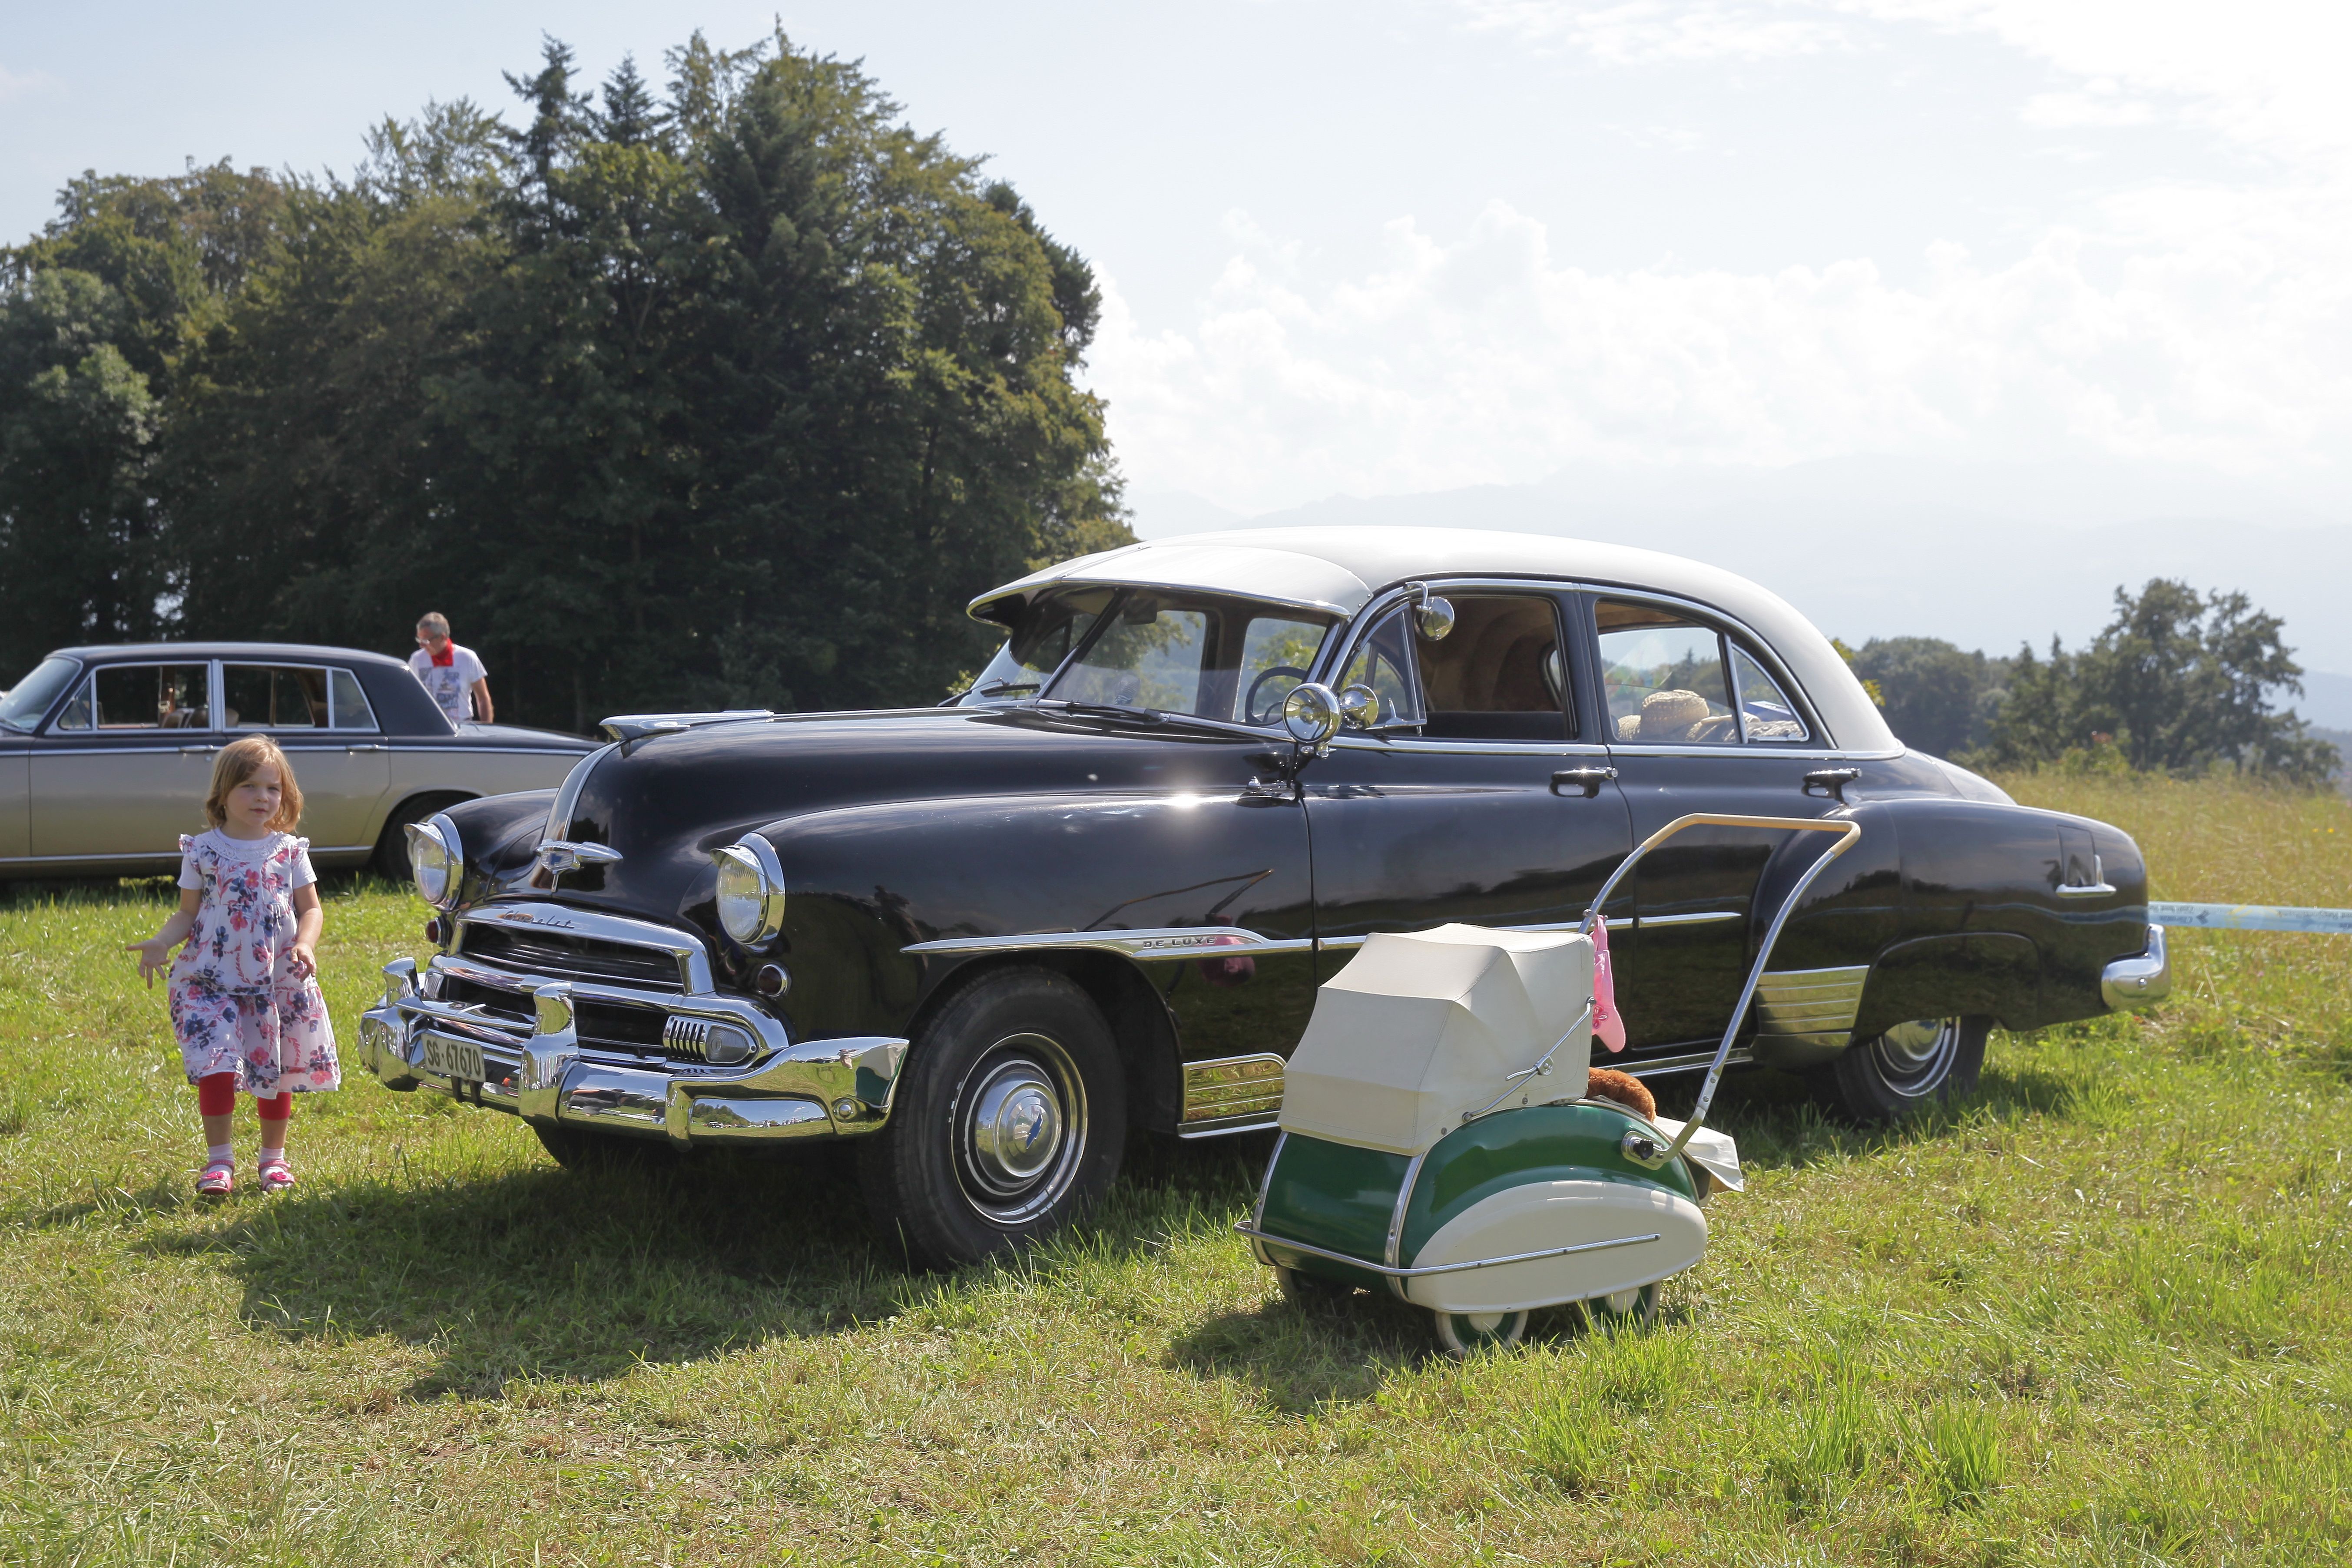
{"points": [[245, 991]]}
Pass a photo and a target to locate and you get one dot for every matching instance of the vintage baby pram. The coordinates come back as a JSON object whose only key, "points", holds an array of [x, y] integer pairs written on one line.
{"points": [[1438, 1143]]}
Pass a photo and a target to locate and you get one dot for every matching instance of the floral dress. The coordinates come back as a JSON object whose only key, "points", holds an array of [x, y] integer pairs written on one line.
{"points": [[236, 1006]]}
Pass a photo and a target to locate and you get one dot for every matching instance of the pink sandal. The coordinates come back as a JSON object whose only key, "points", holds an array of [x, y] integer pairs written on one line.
{"points": [[217, 1179], [275, 1175]]}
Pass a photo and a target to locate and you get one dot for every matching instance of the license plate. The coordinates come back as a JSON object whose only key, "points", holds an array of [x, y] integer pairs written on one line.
{"points": [[452, 1058]]}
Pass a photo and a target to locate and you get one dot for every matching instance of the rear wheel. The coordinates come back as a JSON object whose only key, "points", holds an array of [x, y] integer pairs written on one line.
{"points": [[1011, 1119], [1463, 1333], [1911, 1065], [1633, 1309], [391, 857]]}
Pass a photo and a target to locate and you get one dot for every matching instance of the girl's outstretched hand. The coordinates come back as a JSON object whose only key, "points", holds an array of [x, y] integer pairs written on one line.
{"points": [[154, 956], [303, 962]]}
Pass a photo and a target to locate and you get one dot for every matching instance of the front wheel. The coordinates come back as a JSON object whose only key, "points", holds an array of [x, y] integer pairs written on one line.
{"points": [[1911, 1065], [1011, 1119]]}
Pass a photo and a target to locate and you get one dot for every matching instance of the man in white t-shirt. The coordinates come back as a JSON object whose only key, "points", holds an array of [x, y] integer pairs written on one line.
{"points": [[453, 674]]}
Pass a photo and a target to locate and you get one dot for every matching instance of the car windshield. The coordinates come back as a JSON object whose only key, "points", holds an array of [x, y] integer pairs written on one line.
{"points": [[29, 699], [1203, 656]]}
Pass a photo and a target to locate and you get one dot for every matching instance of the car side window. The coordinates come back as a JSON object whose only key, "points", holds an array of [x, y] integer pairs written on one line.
{"points": [[1498, 674], [1663, 675], [139, 696], [1768, 717], [273, 696], [1383, 661], [348, 706]]}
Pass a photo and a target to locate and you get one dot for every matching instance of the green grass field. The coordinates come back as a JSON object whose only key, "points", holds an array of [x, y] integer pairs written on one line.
{"points": [[2101, 1315]]}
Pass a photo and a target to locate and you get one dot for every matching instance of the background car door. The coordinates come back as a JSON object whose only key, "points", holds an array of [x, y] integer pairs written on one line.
{"points": [[1697, 722], [122, 771], [318, 718], [1457, 805]]}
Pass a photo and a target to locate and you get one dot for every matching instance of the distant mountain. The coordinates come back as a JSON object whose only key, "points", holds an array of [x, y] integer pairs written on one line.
{"points": [[2326, 700]]}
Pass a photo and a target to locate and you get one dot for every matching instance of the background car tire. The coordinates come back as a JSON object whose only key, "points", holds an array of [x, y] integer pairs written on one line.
{"points": [[1011, 1119], [391, 857], [1911, 1065]]}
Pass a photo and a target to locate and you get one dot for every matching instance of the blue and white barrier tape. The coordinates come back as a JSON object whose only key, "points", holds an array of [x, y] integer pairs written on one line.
{"points": [[2250, 917]]}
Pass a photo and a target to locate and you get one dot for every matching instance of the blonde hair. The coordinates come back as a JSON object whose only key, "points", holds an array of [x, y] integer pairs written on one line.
{"points": [[240, 761]]}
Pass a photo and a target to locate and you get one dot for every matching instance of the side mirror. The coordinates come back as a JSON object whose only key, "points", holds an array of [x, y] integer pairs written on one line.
{"points": [[1359, 706], [1311, 714], [1434, 618]]}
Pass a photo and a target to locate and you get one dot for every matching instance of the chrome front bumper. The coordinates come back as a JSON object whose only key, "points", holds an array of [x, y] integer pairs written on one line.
{"points": [[2142, 980], [818, 1088]]}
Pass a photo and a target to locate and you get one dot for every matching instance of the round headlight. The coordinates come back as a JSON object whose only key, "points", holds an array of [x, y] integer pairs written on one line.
{"points": [[436, 860], [750, 890]]}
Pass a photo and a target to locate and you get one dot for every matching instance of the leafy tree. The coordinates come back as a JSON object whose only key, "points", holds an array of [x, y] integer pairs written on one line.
{"points": [[732, 394], [2178, 682], [1936, 697]]}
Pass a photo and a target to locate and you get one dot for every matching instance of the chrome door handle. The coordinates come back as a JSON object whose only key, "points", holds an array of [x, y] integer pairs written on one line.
{"points": [[363, 745], [1588, 780], [1830, 781], [198, 750]]}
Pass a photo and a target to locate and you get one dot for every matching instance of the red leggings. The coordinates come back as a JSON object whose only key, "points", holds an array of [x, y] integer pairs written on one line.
{"points": [[217, 1096]]}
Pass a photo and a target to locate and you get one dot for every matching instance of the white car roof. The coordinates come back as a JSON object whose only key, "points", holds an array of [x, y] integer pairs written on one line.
{"points": [[1339, 571]]}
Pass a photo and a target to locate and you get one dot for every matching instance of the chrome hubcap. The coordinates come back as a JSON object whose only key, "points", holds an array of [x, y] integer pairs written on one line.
{"points": [[1017, 1127], [1915, 1057], [1020, 1128]]}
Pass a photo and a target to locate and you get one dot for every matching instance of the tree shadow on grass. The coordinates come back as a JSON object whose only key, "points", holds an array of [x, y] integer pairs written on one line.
{"points": [[580, 1275], [562, 1274]]}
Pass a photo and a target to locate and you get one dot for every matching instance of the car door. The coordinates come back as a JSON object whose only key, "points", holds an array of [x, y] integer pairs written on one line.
{"points": [[1479, 792], [319, 719], [121, 772], [1699, 720]]}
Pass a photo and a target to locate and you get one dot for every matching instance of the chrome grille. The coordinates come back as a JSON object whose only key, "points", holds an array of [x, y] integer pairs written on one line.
{"points": [[573, 957]]}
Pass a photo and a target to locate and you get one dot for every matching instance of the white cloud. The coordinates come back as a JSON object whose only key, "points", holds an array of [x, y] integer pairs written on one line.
{"points": [[1628, 32], [23, 84], [2159, 320]]}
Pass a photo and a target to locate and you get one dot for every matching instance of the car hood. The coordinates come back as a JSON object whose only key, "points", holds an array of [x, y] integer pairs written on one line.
{"points": [[666, 800]]}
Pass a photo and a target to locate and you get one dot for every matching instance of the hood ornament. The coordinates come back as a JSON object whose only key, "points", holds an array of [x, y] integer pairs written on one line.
{"points": [[556, 856]]}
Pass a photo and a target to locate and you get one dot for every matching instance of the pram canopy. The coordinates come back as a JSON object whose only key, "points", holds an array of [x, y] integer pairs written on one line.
{"points": [[1420, 1028]]}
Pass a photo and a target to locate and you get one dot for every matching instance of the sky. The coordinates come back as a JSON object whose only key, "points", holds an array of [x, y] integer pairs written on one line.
{"points": [[1941, 317]]}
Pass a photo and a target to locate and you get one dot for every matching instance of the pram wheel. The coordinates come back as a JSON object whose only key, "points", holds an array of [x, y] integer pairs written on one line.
{"points": [[1634, 1309], [1311, 1294], [1462, 1333]]}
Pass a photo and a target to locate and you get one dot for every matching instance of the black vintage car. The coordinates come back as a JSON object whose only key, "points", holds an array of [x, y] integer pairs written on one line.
{"points": [[1096, 891]]}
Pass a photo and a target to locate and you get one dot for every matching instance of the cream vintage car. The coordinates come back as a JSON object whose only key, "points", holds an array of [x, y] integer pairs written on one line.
{"points": [[105, 752]]}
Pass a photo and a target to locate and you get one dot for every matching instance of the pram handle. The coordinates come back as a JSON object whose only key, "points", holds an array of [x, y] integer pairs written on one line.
{"points": [[1642, 1150]]}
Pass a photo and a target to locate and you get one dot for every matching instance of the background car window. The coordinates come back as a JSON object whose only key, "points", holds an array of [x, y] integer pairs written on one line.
{"points": [[1765, 714], [1150, 656], [29, 699], [1277, 653], [139, 696], [1498, 675], [1664, 676], [273, 696], [1041, 640], [349, 705], [1383, 661]]}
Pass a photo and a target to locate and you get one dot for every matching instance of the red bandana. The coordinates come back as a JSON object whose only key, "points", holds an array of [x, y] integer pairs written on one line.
{"points": [[446, 656]]}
